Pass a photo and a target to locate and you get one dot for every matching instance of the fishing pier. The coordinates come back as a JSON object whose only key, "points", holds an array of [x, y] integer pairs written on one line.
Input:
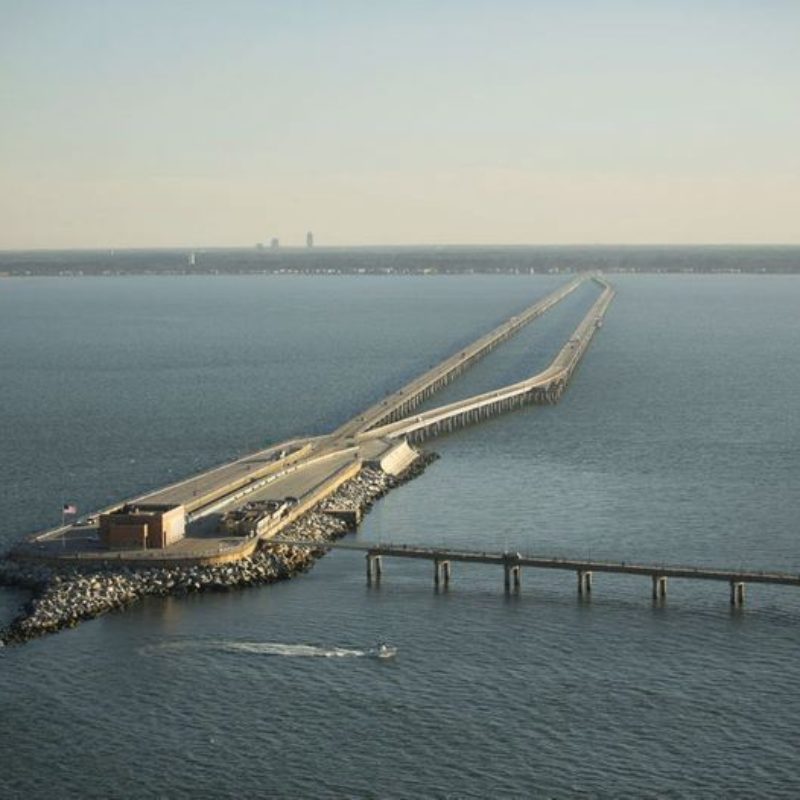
{"points": [[512, 564]]}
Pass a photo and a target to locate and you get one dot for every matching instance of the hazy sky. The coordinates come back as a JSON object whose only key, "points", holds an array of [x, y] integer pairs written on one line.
{"points": [[158, 123]]}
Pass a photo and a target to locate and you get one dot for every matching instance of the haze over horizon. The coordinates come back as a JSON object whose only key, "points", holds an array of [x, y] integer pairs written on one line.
{"points": [[171, 124]]}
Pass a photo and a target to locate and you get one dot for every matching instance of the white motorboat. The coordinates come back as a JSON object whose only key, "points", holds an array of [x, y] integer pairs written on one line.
{"points": [[383, 650]]}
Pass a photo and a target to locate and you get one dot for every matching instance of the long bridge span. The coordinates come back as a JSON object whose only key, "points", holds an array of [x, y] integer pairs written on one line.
{"points": [[545, 387], [403, 401]]}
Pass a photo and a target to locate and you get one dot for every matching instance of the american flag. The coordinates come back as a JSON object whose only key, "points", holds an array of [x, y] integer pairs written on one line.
{"points": [[69, 508]]}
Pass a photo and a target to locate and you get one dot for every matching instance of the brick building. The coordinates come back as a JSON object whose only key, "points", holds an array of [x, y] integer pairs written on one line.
{"points": [[142, 526]]}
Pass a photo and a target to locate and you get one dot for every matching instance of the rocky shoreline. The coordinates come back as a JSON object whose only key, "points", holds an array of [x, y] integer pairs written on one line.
{"points": [[65, 596]]}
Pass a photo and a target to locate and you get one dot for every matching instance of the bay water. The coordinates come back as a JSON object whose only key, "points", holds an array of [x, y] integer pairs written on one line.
{"points": [[678, 441]]}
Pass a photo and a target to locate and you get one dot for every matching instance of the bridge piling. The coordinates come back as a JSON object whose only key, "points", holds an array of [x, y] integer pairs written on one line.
{"points": [[584, 582], [737, 594], [441, 572], [374, 568], [659, 587], [511, 571]]}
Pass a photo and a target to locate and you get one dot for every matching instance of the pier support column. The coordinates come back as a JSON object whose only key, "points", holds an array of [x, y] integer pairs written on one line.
{"points": [[584, 582], [441, 573], [659, 587], [511, 570], [737, 594], [374, 568], [446, 573]]}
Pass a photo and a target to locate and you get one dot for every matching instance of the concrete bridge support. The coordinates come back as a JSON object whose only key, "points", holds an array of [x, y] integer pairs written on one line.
{"points": [[441, 573], [374, 568], [659, 587], [584, 582], [512, 576], [737, 594]]}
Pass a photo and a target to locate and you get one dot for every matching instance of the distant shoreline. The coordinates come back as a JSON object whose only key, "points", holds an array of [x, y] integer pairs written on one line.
{"points": [[381, 273], [452, 260]]}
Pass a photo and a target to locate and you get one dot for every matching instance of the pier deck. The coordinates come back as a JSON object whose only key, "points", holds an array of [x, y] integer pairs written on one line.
{"points": [[513, 562]]}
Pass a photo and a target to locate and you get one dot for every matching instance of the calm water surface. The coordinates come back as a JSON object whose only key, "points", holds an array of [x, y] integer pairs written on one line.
{"points": [[678, 441]]}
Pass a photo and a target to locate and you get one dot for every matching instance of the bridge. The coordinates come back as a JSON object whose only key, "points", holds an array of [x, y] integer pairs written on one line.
{"points": [[312, 468], [512, 564], [406, 399], [543, 388]]}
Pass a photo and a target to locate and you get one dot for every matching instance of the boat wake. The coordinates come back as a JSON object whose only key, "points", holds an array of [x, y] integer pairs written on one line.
{"points": [[276, 649], [291, 650]]}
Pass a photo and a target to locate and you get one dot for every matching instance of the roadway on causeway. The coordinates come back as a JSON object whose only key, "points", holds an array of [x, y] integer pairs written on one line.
{"points": [[202, 536]]}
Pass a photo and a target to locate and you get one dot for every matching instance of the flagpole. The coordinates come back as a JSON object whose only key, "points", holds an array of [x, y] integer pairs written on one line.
{"points": [[66, 508]]}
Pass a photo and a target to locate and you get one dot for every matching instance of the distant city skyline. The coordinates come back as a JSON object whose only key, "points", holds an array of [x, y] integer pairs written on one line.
{"points": [[513, 122]]}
